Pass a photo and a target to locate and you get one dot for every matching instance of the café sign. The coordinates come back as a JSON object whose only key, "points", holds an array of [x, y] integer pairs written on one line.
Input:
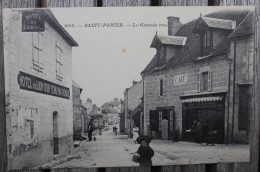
{"points": [[180, 79], [35, 84]]}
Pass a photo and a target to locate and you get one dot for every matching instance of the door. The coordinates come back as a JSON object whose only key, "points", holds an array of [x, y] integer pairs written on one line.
{"points": [[164, 125], [154, 123], [55, 134]]}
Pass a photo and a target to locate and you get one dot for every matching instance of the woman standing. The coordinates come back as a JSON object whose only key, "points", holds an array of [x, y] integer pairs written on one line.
{"points": [[135, 133], [145, 151]]}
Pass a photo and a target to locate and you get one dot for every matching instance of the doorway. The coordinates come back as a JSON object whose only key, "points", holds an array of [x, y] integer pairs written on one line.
{"points": [[55, 133]]}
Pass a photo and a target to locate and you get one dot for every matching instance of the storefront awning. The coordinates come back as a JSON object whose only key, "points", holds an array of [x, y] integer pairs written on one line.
{"points": [[202, 99], [137, 110]]}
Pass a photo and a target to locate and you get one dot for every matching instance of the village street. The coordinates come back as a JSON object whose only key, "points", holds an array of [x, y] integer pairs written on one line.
{"points": [[116, 150]]}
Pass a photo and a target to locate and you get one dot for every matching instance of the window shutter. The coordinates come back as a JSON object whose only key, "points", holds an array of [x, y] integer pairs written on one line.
{"points": [[159, 87], [160, 120], [171, 120], [164, 87], [209, 81], [198, 82], [41, 56]]}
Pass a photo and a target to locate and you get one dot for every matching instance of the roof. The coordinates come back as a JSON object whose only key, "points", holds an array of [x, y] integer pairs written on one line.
{"points": [[170, 40], [51, 19], [76, 85], [191, 50], [113, 102], [109, 110], [246, 26], [219, 23]]}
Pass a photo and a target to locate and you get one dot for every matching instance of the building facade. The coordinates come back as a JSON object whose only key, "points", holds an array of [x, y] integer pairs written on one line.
{"points": [[38, 86], [196, 75], [78, 112], [133, 106]]}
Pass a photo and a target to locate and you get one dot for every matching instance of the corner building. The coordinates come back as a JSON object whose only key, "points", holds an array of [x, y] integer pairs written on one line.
{"points": [[198, 74], [38, 75]]}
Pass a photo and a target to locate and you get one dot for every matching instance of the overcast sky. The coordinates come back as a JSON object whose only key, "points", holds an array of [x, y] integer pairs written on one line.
{"points": [[108, 59]]}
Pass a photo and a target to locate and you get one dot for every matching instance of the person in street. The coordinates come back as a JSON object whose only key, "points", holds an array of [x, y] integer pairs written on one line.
{"points": [[145, 151], [115, 130], [135, 133], [199, 132], [90, 131]]}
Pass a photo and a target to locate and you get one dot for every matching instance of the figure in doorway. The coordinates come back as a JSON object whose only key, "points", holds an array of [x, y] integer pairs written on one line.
{"points": [[135, 133]]}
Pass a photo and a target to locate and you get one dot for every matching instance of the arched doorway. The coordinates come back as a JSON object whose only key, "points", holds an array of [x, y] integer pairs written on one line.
{"points": [[55, 133]]}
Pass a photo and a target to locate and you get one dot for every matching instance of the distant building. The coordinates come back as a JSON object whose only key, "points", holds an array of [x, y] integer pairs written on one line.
{"points": [[133, 107], [39, 85], [202, 71], [111, 111], [88, 105], [78, 116]]}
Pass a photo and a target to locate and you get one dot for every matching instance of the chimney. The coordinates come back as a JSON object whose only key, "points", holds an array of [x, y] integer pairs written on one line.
{"points": [[90, 101], [134, 82], [174, 25]]}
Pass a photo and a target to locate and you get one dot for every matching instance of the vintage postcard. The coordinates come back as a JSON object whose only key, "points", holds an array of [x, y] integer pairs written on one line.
{"points": [[120, 87]]}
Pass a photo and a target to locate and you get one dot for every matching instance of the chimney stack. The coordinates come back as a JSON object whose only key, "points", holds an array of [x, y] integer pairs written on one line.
{"points": [[134, 82], [174, 25]]}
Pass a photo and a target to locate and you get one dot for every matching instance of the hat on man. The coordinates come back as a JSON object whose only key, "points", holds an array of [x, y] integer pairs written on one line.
{"points": [[142, 137]]}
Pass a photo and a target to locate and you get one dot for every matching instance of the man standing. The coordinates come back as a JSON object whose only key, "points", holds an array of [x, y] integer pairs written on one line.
{"points": [[90, 131]]}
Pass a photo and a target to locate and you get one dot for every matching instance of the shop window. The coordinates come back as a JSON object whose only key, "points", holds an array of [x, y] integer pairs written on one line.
{"points": [[244, 107], [59, 64], [204, 81], [38, 62]]}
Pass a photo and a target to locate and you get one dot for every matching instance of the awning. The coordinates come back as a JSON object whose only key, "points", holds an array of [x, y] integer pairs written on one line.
{"points": [[137, 110], [202, 99]]}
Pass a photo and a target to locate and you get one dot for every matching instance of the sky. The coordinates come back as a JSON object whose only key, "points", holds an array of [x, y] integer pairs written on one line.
{"points": [[108, 59]]}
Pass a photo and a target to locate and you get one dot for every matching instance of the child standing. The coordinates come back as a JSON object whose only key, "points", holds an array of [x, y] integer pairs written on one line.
{"points": [[145, 151]]}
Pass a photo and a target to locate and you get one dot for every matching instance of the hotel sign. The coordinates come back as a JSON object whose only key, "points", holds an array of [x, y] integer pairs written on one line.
{"points": [[180, 79], [35, 84], [33, 20]]}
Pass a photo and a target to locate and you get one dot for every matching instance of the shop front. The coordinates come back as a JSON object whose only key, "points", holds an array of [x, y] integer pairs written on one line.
{"points": [[203, 117], [162, 123]]}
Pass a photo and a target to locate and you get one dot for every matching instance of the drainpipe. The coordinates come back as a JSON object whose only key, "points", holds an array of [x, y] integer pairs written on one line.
{"points": [[229, 77], [143, 105], [234, 96]]}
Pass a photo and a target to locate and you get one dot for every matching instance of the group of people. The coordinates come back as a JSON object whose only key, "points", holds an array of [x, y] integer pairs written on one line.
{"points": [[202, 132]]}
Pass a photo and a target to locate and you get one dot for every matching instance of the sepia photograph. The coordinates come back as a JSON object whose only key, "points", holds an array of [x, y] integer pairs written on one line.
{"points": [[129, 86]]}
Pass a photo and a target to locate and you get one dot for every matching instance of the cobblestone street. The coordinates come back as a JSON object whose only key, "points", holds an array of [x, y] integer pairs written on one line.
{"points": [[110, 150]]}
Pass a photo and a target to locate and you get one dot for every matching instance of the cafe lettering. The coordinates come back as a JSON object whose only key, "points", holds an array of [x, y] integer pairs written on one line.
{"points": [[33, 83]]}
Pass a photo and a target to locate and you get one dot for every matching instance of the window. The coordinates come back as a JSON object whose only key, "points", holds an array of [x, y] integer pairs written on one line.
{"points": [[250, 64], [206, 43], [161, 58], [59, 64], [37, 38], [32, 128], [161, 87], [204, 81]]}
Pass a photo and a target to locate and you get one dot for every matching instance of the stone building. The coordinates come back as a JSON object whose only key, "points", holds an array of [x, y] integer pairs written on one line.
{"points": [[133, 106], [38, 75], [78, 115], [202, 71]]}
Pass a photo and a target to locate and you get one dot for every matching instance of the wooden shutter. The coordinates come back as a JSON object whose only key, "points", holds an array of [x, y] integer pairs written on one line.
{"points": [[164, 86], [209, 81], [41, 56], [171, 120], [160, 120], [198, 82]]}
